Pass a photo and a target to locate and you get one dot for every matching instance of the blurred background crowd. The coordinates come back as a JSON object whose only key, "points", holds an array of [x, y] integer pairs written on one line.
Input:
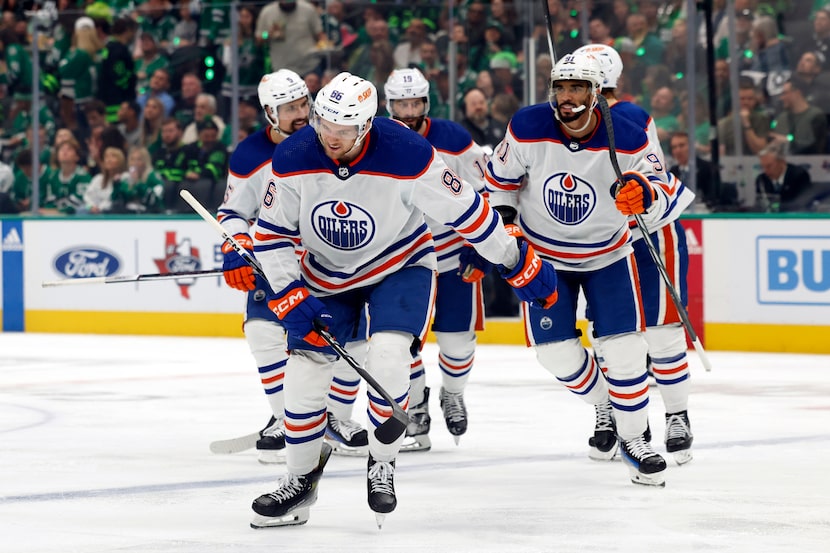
{"points": [[137, 99]]}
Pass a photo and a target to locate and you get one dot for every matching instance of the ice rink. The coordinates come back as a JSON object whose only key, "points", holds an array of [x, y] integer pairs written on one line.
{"points": [[104, 448]]}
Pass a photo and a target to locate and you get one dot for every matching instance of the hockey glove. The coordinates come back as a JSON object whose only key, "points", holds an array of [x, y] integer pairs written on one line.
{"points": [[298, 309], [237, 272], [533, 279], [636, 194], [472, 267]]}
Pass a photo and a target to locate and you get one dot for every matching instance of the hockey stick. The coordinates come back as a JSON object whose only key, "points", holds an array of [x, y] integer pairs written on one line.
{"points": [[132, 278], [388, 431], [655, 256], [551, 47]]}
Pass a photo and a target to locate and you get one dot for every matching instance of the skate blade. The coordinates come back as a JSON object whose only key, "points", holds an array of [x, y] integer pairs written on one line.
{"points": [[344, 450], [416, 443], [294, 518], [379, 518], [457, 439], [657, 479], [271, 456], [598, 455], [682, 457]]}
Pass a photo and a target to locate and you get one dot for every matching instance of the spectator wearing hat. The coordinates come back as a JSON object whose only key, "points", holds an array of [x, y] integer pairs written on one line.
{"points": [[503, 68]]}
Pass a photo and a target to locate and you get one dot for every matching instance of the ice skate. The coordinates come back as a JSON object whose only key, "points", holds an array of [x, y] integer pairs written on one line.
{"points": [[644, 464], [417, 431], [603, 444], [455, 413], [380, 484], [271, 444], [289, 504], [679, 437], [347, 437]]}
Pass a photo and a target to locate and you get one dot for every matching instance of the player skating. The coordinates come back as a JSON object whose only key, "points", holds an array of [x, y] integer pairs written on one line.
{"points": [[459, 306], [354, 190], [285, 100], [566, 208], [664, 332]]}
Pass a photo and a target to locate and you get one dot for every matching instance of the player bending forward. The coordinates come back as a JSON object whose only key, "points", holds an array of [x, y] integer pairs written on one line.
{"points": [[355, 190], [459, 304], [286, 102], [569, 208]]}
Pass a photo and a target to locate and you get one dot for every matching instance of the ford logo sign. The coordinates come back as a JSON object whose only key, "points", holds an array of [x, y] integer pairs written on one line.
{"points": [[87, 262]]}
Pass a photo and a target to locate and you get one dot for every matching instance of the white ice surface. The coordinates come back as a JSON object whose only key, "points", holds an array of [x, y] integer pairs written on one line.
{"points": [[104, 448]]}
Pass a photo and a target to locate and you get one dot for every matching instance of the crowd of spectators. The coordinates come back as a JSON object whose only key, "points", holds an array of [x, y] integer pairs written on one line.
{"points": [[136, 96]]}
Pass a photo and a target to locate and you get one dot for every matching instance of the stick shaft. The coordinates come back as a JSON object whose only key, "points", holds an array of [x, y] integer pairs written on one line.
{"points": [[132, 278]]}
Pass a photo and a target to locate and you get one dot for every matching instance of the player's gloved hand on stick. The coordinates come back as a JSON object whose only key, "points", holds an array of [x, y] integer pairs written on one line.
{"points": [[533, 279], [237, 272], [636, 195], [298, 309], [472, 267]]}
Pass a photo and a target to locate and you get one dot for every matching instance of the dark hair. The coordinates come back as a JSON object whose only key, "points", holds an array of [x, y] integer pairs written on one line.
{"points": [[23, 158], [797, 83]]}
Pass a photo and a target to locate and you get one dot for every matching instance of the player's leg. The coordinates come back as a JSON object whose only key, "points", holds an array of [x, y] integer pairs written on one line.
{"points": [[555, 337], [614, 298], [665, 334], [267, 342], [343, 433], [399, 309], [459, 313]]}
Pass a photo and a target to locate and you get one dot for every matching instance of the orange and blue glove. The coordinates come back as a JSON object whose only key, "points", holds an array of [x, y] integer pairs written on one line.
{"points": [[472, 266], [533, 279], [636, 195], [237, 272], [299, 310]]}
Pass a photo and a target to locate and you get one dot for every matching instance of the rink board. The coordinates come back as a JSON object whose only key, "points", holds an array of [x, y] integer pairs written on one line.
{"points": [[764, 282]]}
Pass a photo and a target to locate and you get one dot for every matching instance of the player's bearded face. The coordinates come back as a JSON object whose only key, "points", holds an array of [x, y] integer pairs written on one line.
{"points": [[410, 112], [569, 96], [293, 116]]}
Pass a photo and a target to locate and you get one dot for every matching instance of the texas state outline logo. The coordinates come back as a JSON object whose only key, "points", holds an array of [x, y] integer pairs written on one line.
{"points": [[178, 257], [568, 198], [343, 225]]}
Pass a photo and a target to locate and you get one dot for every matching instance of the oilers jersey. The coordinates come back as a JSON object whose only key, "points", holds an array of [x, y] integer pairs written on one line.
{"points": [[563, 188], [467, 160], [248, 176], [361, 221]]}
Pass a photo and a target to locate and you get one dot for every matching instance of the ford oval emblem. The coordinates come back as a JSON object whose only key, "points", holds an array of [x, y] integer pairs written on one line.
{"points": [[86, 262]]}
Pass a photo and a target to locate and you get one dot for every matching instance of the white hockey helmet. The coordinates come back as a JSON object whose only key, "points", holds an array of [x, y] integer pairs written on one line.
{"points": [[406, 83], [578, 67], [609, 60], [347, 100], [278, 88]]}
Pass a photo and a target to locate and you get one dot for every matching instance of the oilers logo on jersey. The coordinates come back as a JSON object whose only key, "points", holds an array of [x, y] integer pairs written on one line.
{"points": [[569, 199], [342, 225]]}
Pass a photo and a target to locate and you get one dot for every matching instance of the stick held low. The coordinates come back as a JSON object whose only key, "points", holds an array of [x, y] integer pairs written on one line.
{"points": [[390, 430], [132, 278]]}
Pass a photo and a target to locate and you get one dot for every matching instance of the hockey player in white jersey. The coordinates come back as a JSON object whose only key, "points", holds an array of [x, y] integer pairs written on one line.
{"points": [[553, 170], [664, 331], [354, 190], [459, 304], [286, 102]]}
